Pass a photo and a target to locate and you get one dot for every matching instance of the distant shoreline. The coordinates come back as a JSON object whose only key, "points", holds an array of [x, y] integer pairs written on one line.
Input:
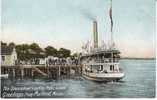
{"points": [[139, 58]]}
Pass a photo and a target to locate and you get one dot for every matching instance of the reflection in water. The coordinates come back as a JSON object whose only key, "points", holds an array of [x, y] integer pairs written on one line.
{"points": [[138, 82]]}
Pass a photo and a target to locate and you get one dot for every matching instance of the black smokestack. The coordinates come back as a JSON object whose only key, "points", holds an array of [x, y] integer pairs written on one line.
{"points": [[95, 34]]}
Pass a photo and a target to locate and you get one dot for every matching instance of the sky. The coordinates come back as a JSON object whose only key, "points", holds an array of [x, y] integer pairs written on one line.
{"points": [[68, 23]]}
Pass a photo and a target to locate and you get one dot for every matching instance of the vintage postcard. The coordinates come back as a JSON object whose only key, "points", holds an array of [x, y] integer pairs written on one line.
{"points": [[78, 49]]}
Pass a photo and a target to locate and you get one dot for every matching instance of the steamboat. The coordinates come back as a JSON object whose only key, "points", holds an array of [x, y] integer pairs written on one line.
{"points": [[101, 63]]}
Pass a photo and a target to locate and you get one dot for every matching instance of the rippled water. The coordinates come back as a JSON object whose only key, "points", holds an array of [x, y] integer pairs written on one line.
{"points": [[139, 82]]}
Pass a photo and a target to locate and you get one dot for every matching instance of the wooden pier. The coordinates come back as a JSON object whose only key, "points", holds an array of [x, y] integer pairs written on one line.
{"points": [[48, 71]]}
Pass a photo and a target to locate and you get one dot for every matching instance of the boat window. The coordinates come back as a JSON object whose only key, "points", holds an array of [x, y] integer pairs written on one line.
{"points": [[111, 67], [3, 58], [101, 67]]}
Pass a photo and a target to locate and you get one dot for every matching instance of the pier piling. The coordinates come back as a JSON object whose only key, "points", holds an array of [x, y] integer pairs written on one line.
{"points": [[13, 72], [22, 73], [49, 71]]}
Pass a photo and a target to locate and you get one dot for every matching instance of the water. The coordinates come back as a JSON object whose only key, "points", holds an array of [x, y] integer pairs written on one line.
{"points": [[139, 82]]}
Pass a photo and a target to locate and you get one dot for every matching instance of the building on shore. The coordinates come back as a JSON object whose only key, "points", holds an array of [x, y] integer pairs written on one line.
{"points": [[8, 55]]}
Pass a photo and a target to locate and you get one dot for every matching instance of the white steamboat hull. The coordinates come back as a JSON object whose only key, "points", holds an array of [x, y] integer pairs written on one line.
{"points": [[104, 77]]}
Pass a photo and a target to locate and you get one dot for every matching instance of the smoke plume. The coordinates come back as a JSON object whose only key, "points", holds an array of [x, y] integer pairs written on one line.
{"points": [[85, 12], [88, 14]]}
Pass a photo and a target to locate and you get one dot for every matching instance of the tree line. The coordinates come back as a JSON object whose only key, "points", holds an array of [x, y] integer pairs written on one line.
{"points": [[31, 51]]}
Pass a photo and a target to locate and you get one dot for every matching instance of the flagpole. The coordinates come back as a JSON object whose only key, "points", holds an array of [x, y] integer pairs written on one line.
{"points": [[111, 20], [110, 13]]}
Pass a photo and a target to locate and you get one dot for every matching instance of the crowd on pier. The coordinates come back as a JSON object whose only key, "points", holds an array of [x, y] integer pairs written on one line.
{"points": [[62, 61], [51, 61]]}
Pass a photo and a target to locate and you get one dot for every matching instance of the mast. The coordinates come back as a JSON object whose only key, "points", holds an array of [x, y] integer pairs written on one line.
{"points": [[111, 32], [111, 29]]}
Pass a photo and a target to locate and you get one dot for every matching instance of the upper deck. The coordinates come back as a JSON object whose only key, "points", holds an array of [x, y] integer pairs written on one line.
{"points": [[105, 53]]}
